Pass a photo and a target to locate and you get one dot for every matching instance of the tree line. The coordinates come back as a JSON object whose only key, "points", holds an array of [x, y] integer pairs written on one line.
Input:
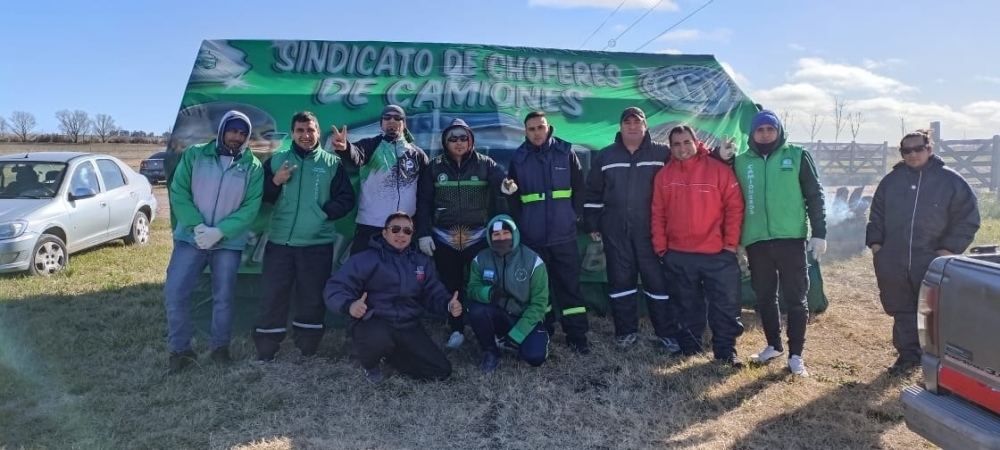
{"points": [[75, 126]]}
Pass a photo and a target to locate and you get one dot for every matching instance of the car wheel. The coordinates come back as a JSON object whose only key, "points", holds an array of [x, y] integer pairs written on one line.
{"points": [[49, 256], [139, 234]]}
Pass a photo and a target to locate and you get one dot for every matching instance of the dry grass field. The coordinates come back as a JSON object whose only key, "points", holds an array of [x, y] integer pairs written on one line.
{"points": [[83, 360]]}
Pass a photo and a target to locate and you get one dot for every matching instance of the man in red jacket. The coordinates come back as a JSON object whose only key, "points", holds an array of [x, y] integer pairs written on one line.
{"points": [[696, 220]]}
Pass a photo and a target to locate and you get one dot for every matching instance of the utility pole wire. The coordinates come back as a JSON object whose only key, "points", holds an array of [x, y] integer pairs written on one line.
{"points": [[612, 42], [709, 2], [601, 25]]}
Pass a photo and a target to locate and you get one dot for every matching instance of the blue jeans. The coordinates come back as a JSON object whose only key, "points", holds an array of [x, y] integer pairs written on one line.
{"points": [[488, 321], [187, 262]]}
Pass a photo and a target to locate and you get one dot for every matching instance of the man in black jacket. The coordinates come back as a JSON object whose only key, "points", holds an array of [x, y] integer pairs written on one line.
{"points": [[616, 212], [921, 210], [457, 193]]}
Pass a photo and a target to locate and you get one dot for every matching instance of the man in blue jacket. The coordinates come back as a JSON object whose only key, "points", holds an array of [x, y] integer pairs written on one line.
{"points": [[546, 208], [386, 289]]}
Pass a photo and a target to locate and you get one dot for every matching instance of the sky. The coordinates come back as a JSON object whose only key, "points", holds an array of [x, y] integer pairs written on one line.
{"points": [[899, 63]]}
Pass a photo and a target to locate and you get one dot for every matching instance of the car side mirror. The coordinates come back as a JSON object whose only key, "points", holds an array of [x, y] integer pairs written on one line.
{"points": [[81, 193]]}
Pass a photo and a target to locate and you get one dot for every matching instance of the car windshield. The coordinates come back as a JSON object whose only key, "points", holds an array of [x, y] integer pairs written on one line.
{"points": [[30, 179]]}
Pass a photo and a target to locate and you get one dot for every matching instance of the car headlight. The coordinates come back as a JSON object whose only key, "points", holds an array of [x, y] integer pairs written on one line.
{"points": [[12, 229]]}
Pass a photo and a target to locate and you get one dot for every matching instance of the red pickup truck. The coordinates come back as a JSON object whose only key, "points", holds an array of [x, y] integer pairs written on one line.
{"points": [[958, 404]]}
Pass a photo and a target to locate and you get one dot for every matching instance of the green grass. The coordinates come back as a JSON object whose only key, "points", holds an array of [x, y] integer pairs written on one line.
{"points": [[83, 365]]}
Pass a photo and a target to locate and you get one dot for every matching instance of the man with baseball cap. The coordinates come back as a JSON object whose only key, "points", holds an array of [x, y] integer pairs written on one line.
{"points": [[617, 213], [389, 165]]}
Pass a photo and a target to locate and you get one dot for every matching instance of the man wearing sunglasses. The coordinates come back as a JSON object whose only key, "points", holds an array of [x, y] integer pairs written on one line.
{"points": [[389, 165], [309, 190], [457, 194], [386, 290], [922, 209]]}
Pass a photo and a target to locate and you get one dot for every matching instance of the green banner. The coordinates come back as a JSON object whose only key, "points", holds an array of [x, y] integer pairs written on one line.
{"points": [[492, 88]]}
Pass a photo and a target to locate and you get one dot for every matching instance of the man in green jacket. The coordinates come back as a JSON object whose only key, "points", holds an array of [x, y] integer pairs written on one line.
{"points": [[509, 293], [310, 190], [215, 194], [784, 203]]}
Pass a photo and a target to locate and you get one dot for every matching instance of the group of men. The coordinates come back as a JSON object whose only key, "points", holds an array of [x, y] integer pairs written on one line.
{"points": [[672, 214]]}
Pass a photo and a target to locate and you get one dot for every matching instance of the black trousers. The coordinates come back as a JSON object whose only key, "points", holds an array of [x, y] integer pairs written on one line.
{"points": [[899, 290], [409, 349], [774, 262], [304, 270], [697, 278], [363, 236], [452, 269], [628, 257], [563, 264]]}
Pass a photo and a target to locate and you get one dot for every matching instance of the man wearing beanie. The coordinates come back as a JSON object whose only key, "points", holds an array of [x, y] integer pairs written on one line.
{"points": [[457, 193], [509, 293], [389, 166], [617, 214], [783, 194], [309, 189], [215, 194], [546, 208]]}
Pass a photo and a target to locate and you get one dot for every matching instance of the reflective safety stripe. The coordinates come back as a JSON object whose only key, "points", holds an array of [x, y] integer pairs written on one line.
{"points": [[615, 165], [308, 325], [528, 198], [460, 183], [271, 330], [650, 163], [593, 205], [577, 310], [548, 309], [623, 293], [566, 193], [658, 297]]}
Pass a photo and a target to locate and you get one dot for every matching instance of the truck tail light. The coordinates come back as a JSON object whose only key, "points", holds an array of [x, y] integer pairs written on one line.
{"points": [[927, 309], [143, 165]]}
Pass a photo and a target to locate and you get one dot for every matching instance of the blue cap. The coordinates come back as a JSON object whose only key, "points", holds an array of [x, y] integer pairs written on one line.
{"points": [[765, 117]]}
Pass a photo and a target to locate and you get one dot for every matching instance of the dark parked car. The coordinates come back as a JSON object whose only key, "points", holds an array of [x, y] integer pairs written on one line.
{"points": [[152, 168]]}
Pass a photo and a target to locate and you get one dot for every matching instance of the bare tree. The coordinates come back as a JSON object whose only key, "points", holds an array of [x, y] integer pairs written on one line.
{"points": [[23, 123], [902, 125], [814, 127], [103, 126], [786, 118], [839, 121], [3, 129], [855, 121], [73, 123]]}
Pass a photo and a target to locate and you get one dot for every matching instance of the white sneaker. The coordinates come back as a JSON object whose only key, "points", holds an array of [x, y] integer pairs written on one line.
{"points": [[797, 366], [455, 340], [766, 355]]}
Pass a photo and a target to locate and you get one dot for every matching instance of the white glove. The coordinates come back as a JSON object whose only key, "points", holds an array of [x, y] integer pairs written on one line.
{"points": [[508, 187], [208, 238], [817, 246], [200, 228], [427, 245]]}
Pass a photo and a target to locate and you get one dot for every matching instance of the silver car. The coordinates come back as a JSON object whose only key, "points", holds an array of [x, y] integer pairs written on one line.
{"points": [[53, 204]]}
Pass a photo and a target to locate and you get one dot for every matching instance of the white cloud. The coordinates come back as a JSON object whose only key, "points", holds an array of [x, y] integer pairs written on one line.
{"points": [[739, 78], [841, 77], [988, 110], [666, 5], [804, 98], [872, 64], [796, 47], [669, 51], [690, 34], [988, 78]]}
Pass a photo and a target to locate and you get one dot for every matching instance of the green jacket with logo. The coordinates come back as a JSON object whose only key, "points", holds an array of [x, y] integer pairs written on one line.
{"points": [[306, 206]]}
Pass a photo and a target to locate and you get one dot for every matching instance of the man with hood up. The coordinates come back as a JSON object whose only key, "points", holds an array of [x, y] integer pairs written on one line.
{"points": [[386, 289], [457, 193], [509, 289], [783, 195], [310, 190], [546, 208], [617, 214], [697, 212], [215, 195], [389, 166], [922, 209]]}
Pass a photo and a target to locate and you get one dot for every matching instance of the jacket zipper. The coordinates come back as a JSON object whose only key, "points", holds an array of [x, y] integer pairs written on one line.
{"points": [[298, 203], [913, 220]]}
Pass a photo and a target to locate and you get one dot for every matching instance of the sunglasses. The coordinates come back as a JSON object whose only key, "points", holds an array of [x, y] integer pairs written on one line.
{"points": [[396, 229], [462, 138], [392, 117], [916, 149]]}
